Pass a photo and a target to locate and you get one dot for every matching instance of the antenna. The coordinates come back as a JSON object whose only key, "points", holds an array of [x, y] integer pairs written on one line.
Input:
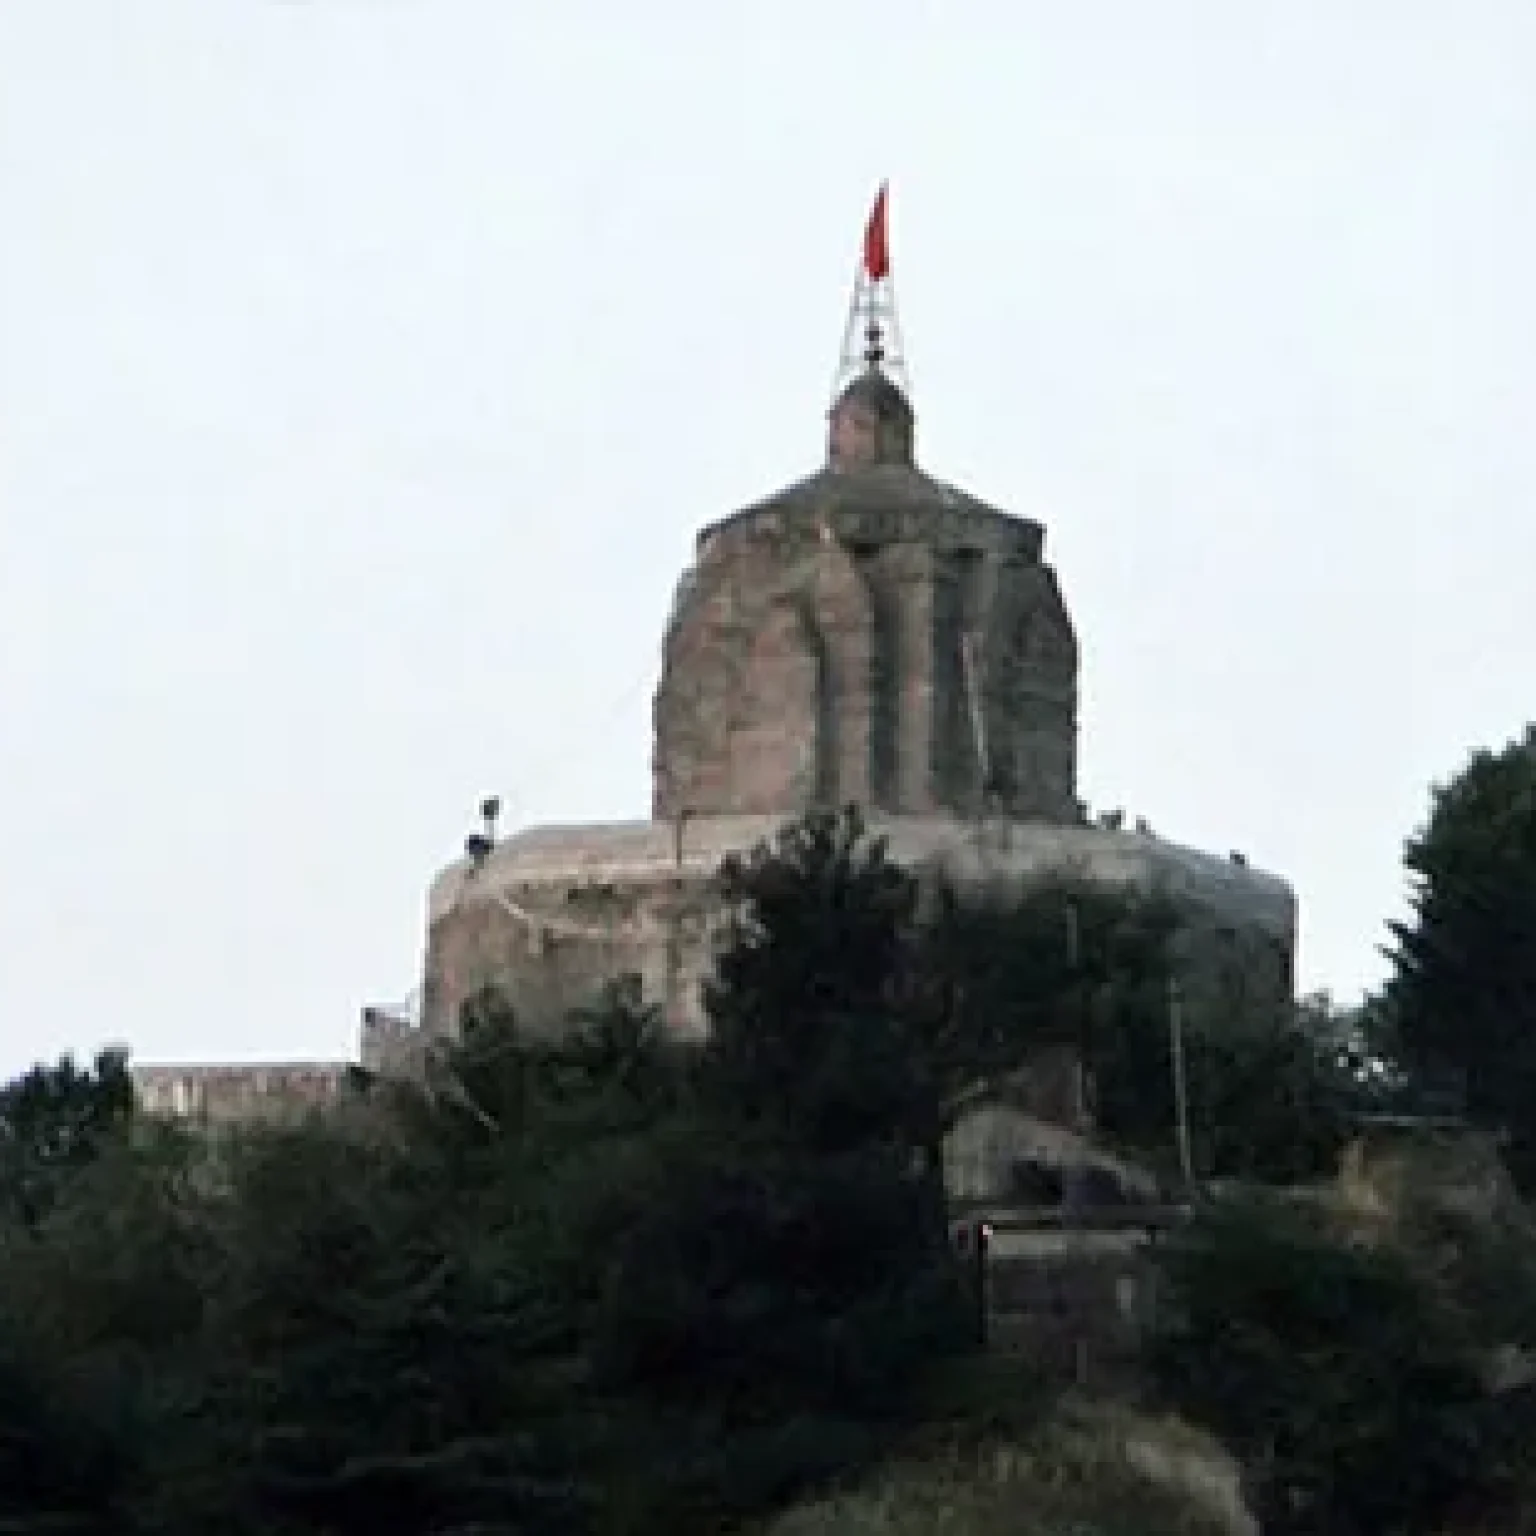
{"points": [[872, 333]]}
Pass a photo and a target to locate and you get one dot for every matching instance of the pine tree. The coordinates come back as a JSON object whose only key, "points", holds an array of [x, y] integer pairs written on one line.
{"points": [[1462, 996]]}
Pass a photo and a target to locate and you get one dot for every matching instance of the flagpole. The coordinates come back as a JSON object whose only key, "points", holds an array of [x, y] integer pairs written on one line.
{"points": [[872, 335]]}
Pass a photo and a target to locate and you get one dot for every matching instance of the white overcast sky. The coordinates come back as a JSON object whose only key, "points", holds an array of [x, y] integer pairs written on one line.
{"points": [[367, 365]]}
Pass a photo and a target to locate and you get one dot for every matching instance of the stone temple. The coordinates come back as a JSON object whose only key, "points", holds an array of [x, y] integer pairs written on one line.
{"points": [[868, 635]]}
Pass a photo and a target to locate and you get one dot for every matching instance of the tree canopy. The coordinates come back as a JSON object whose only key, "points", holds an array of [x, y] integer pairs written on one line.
{"points": [[56, 1120], [613, 1283], [1461, 999]]}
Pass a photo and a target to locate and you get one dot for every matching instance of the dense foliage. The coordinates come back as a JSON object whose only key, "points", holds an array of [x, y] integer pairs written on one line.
{"points": [[611, 1284], [1347, 1377], [54, 1120], [1082, 966], [1462, 997], [604, 1284]]}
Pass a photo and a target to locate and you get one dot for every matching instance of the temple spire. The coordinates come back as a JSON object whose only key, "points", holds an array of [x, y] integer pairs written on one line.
{"points": [[872, 335]]}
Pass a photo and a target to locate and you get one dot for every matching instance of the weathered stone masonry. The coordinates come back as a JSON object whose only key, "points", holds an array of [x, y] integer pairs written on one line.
{"points": [[869, 635]]}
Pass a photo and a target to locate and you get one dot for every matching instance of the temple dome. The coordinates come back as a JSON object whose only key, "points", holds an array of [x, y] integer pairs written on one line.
{"points": [[871, 422]]}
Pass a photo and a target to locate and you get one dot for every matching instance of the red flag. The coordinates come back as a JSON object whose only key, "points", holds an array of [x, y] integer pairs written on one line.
{"points": [[877, 245]]}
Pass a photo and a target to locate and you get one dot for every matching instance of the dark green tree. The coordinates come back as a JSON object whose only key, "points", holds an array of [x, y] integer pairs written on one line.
{"points": [[381, 1349], [101, 1309], [1346, 1384], [1462, 995], [781, 1280], [62, 1470], [1073, 964], [851, 1003], [1060, 964], [1277, 1105], [814, 1036], [55, 1121]]}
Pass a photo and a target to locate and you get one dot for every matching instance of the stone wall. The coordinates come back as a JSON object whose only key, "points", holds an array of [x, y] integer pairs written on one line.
{"points": [[553, 912], [549, 946], [231, 1092], [1077, 1302]]}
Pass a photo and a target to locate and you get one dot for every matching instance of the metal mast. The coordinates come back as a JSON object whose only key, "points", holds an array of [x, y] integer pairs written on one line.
{"points": [[872, 335]]}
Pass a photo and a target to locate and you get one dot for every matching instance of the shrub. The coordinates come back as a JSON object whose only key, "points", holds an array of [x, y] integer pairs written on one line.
{"points": [[1346, 1386]]}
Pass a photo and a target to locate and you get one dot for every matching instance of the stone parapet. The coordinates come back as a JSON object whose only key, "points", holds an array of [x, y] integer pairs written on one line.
{"points": [[552, 912], [224, 1092]]}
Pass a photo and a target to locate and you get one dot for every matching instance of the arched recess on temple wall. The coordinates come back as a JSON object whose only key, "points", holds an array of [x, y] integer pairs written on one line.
{"points": [[775, 741], [764, 699], [832, 584], [1030, 691]]}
